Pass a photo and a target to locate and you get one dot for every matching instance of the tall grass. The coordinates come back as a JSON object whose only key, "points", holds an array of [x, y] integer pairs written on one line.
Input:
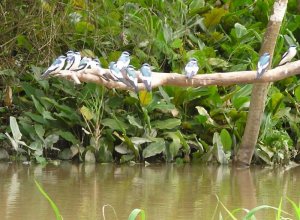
{"points": [[53, 205], [133, 215], [250, 214]]}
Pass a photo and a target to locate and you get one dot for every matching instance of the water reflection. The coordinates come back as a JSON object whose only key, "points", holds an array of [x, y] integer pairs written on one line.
{"points": [[163, 191]]}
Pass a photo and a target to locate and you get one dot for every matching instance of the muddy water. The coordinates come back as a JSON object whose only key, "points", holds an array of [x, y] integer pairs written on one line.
{"points": [[163, 191]]}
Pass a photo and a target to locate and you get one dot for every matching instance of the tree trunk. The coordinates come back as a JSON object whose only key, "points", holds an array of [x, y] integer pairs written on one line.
{"points": [[260, 90]]}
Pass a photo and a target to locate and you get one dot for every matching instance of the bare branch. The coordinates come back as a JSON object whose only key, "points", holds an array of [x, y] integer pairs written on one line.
{"points": [[175, 79]]}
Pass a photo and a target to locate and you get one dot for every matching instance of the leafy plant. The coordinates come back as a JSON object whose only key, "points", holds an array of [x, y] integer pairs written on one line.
{"points": [[58, 119]]}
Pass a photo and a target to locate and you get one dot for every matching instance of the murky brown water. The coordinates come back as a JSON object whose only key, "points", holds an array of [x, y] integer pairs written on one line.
{"points": [[163, 191]]}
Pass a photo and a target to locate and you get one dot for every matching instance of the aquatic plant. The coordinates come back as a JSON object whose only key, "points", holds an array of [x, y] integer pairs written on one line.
{"points": [[86, 122], [53, 205]]}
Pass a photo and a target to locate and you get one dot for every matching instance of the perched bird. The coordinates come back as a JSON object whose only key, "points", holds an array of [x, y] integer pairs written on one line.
{"points": [[262, 64], [146, 76], [191, 68], [288, 55], [117, 74], [56, 66], [73, 60], [95, 64], [132, 77], [123, 60], [84, 63]]}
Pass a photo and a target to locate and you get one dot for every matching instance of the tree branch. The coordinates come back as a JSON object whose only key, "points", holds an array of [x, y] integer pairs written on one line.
{"points": [[175, 79]]}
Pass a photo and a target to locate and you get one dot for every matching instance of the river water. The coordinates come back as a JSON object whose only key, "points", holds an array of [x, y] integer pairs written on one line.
{"points": [[164, 191]]}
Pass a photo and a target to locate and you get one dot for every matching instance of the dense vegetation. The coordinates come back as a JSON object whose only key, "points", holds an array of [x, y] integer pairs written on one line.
{"points": [[54, 118]]}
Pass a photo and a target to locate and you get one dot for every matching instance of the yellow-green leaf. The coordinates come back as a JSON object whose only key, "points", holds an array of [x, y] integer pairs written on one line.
{"points": [[87, 114], [79, 3], [297, 93], [177, 43], [213, 17], [145, 97]]}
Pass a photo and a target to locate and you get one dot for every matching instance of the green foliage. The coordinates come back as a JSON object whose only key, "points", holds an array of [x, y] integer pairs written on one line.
{"points": [[88, 122]]}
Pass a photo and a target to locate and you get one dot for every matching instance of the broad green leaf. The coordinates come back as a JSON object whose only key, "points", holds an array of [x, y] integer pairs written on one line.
{"points": [[40, 159], [68, 136], [276, 99], [175, 144], [114, 124], [183, 142], [133, 121], [219, 149], [213, 17], [241, 102], [154, 148], [297, 93], [161, 106], [140, 140], [226, 140], [40, 131], [218, 63], [242, 91], [30, 90], [64, 108], [195, 93], [145, 97], [131, 146], [15, 128], [146, 117], [264, 156], [13, 142], [50, 140], [177, 43], [47, 115], [36, 117], [289, 40], [37, 146], [164, 94], [123, 149], [240, 30], [87, 114], [37, 105], [206, 117], [166, 124], [83, 27], [37, 76]]}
